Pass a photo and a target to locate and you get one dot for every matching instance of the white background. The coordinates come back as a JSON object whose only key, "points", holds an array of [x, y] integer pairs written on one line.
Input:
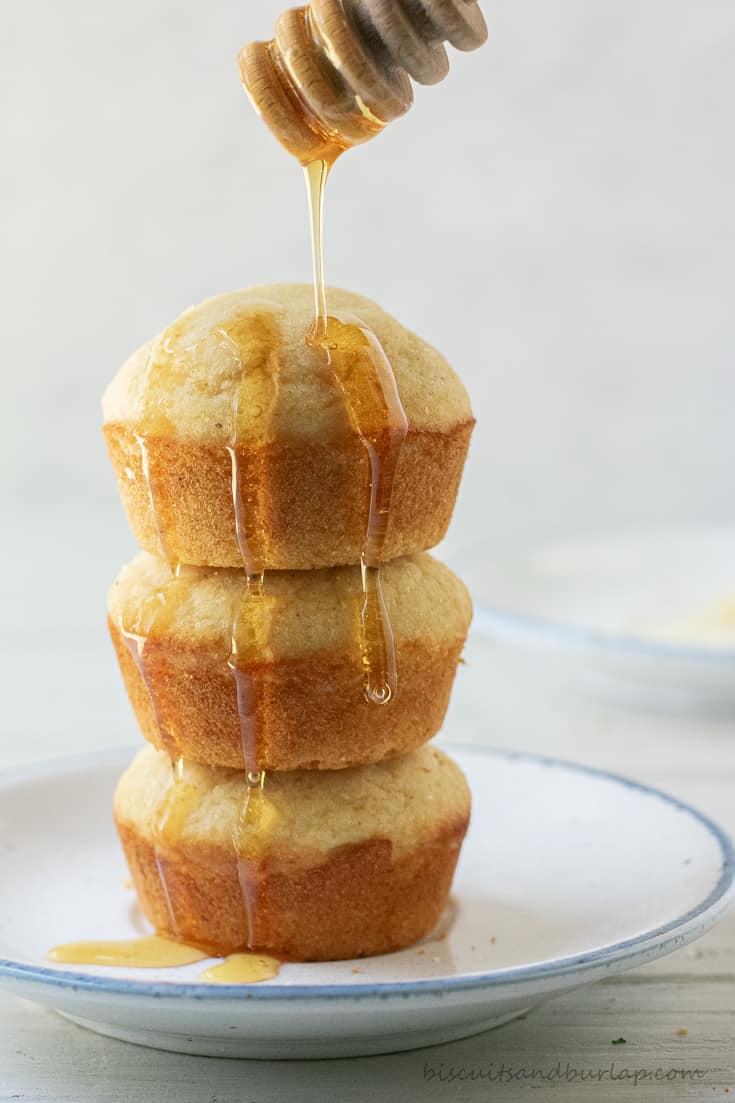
{"points": [[557, 217]]}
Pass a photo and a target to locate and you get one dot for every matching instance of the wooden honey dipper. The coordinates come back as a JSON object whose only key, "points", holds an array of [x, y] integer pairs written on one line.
{"points": [[336, 72]]}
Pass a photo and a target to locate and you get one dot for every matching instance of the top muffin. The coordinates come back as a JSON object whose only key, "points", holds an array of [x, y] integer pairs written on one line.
{"points": [[232, 441]]}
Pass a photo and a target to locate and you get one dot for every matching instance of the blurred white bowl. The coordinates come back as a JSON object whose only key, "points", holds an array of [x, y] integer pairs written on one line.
{"points": [[645, 618]]}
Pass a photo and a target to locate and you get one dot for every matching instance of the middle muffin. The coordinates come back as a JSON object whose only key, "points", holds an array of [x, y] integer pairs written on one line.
{"points": [[275, 680]]}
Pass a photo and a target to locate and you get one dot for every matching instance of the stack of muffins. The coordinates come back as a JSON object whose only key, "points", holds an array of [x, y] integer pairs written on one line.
{"points": [[277, 807]]}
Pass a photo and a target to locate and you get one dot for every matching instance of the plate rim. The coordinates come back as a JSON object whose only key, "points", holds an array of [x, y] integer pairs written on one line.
{"points": [[678, 930], [493, 617]]}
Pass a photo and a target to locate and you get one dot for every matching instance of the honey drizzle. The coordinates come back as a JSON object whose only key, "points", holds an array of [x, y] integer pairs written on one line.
{"points": [[242, 646], [150, 479], [365, 378], [156, 614], [315, 174], [251, 342], [250, 829], [169, 818], [155, 424], [249, 636], [249, 624]]}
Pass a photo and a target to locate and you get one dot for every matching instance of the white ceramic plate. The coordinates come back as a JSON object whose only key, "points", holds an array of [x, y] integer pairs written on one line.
{"points": [[648, 614], [567, 875]]}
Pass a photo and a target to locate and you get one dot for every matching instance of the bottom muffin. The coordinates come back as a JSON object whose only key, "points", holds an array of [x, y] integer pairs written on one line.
{"points": [[316, 866]]}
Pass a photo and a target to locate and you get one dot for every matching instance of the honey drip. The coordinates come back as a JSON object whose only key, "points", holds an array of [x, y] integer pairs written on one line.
{"points": [[248, 635], [248, 345], [315, 174], [179, 801], [248, 837], [250, 631], [362, 372], [245, 349], [161, 515], [156, 615]]}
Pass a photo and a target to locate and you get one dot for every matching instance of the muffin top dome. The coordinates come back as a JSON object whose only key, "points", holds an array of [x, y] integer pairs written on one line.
{"points": [[403, 799], [237, 438], [304, 612], [238, 366]]}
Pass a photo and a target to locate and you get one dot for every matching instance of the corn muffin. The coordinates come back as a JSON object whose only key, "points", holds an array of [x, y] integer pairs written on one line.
{"points": [[289, 692], [230, 438], [337, 864]]}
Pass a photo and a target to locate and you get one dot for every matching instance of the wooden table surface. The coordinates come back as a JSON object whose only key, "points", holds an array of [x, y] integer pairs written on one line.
{"points": [[676, 1014]]}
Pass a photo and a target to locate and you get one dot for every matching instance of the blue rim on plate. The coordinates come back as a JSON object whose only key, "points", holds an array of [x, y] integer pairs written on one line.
{"points": [[722, 894]]}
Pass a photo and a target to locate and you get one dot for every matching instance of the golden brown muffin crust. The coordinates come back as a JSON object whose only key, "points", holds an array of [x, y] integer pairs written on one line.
{"points": [[353, 863], [314, 505], [405, 800], [201, 372], [232, 394], [358, 902], [310, 709], [304, 611], [310, 713]]}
